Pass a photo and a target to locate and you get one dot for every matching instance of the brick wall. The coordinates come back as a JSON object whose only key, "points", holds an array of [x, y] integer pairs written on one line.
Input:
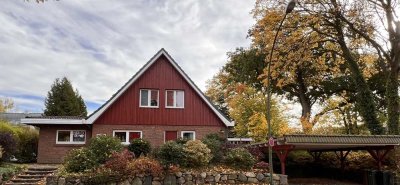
{"points": [[155, 133], [48, 150]]}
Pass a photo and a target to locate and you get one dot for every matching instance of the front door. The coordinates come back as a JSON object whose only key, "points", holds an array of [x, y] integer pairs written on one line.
{"points": [[171, 135]]}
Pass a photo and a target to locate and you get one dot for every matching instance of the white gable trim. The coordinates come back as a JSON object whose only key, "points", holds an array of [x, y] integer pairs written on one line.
{"points": [[97, 114]]}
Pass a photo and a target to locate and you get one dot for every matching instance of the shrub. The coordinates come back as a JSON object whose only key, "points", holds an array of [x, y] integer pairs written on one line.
{"points": [[79, 160], [8, 144], [139, 146], [103, 146], [196, 153], [216, 144], [118, 162], [27, 145], [181, 141], [239, 158], [171, 153], [145, 166], [101, 175]]}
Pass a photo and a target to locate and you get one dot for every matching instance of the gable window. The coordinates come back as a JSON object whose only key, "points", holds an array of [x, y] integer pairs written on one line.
{"points": [[148, 98], [71, 137], [174, 99], [127, 135], [189, 135]]}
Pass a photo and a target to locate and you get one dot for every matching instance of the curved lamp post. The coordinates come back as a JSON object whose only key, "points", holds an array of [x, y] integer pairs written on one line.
{"points": [[289, 9]]}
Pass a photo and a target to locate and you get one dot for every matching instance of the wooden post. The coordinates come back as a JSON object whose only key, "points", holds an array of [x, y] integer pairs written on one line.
{"points": [[342, 158], [282, 152], [379, 153]]}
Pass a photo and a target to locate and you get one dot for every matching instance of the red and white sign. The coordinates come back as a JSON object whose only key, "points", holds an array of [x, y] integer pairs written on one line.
{"points": [[271, 141]]}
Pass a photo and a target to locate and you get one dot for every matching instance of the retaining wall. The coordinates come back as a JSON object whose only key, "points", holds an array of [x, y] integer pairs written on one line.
{"points": [[186, 178]]}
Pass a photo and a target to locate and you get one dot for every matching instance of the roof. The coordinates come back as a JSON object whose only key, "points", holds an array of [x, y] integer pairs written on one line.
{"points": [[342, 139], [97, 113], [334, 142]]}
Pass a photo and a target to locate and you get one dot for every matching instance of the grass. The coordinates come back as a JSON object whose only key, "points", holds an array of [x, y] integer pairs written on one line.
{"points": [[9, 169]]}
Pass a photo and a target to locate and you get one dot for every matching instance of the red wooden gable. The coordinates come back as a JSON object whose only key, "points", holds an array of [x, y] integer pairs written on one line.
{"points": [[161, 75]]}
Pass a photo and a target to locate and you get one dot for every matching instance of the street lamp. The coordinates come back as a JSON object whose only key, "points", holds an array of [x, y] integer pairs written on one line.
{"points": [[289, 9]]}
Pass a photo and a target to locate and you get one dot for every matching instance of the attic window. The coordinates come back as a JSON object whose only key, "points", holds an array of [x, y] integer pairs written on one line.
{"points": [[149, 98], [174, 99]]}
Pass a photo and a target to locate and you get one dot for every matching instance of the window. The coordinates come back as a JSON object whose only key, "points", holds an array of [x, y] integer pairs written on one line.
{"points": [[189, 135], [71, 137], [127, 135], [148, 98], [174, 99]]}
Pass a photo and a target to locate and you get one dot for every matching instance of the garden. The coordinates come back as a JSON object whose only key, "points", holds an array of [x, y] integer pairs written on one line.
{"points": [[106, 160]]}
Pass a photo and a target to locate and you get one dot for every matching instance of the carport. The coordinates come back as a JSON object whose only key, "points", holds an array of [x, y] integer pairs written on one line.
{"points": [[378, 146]]}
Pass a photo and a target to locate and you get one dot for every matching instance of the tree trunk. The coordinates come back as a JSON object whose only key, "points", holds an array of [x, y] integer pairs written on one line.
{"points": [[364, 95], [392, 85], [305, 104]]}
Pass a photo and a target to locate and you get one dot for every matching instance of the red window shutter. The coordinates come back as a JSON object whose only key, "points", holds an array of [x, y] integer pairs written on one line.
{"points": [[171, 135], [134, 135]]}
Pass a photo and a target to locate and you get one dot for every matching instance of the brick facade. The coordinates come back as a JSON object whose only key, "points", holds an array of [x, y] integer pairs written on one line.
{"points": [[49, 151], [155, 133]]}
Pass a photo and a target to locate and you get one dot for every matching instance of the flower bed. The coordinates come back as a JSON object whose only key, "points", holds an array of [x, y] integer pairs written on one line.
{"points": [[180, 178]]}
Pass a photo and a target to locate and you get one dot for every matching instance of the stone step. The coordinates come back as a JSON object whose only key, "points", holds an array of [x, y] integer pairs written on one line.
{"points": [[30, 172], [14, 183], [42, 168], [25, 180], [20, 176]]}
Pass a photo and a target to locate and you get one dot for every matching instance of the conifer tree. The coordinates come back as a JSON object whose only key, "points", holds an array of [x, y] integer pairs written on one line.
{"points": [[62, 100]]}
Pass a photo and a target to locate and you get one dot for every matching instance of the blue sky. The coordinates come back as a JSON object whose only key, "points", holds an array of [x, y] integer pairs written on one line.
{"points": [[100, 44]]}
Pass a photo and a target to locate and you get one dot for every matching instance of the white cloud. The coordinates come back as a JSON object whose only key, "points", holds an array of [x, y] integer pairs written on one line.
{"points": [[99, 45]]}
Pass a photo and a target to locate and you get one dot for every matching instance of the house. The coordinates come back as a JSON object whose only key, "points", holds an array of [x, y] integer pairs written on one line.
{"points": [[159, 103]]}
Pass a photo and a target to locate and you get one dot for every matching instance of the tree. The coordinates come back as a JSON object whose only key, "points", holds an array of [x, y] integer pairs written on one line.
{"points": [[6, 104], [320, 44], [62, 100]]}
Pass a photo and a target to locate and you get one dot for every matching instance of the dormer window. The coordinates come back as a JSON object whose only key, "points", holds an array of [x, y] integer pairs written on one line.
{"points": [[174, 99], [149, 98]]}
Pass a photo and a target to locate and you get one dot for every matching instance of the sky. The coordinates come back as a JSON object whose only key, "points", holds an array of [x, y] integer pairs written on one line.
{"points": [[100, 44]]}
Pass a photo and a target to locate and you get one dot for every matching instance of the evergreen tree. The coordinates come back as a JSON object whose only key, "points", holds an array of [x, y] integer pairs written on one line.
{"points": [[62, 100]]}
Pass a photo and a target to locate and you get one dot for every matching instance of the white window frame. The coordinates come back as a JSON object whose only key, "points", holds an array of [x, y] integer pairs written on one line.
{"points": [[149, 98], [165, 133], [127, 135], [71, 139], [174, 97], [185, 131]]}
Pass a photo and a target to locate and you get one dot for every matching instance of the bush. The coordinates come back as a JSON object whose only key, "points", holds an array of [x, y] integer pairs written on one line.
{"points": [[196, 153], [145, 166], [101, 175], [239, 158], [24, 144], [216, 144], [181, 141], [79, 160], [118, 163], [103, 146], [27, 145], [171, 153], [139, 146], [8, 144]]}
